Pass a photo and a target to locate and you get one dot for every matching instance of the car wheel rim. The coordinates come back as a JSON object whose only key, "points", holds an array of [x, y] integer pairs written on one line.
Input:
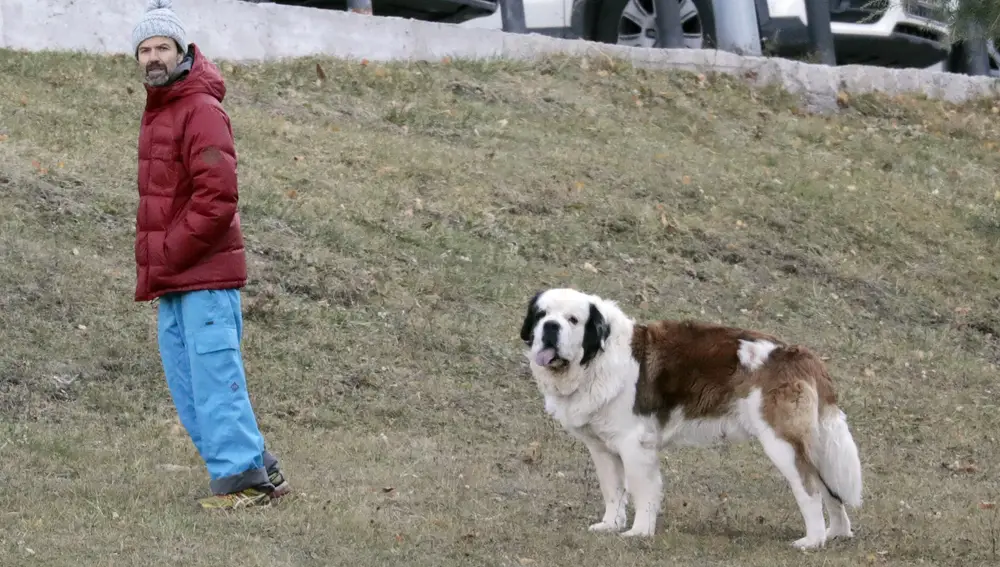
{"points": [[637, 26]]}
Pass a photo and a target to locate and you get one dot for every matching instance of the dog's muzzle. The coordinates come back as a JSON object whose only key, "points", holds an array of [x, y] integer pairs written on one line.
{"points": [[549, 354]]}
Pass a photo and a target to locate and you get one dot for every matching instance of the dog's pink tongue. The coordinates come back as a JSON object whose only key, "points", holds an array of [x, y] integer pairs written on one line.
{"points": [[545, 356]]}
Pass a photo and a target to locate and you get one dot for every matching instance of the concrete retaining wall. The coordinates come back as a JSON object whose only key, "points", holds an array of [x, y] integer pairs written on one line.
{"points": [[228, 29]]}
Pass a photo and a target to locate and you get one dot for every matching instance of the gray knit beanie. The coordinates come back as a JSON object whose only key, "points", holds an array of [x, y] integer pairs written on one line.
{"points": [[159, 19]]}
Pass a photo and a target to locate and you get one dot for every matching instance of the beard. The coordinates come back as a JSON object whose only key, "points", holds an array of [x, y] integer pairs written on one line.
{"points": [[157, 74]]}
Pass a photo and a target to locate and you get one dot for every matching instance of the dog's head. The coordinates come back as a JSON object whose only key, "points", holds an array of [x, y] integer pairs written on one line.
{"points": [[564, 327]]}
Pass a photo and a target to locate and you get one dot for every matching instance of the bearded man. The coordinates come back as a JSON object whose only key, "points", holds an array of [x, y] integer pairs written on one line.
{"points": [[190, 257]]}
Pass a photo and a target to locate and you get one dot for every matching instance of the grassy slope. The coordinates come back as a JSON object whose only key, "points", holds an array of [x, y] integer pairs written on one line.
{"points": [[398, 219]]}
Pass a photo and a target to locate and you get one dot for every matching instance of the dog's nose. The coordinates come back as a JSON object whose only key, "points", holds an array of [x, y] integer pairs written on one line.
{"points": [[550, 333]]}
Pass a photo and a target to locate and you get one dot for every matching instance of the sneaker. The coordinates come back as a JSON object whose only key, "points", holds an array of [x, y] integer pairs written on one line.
{"points": [[236, 500], [281, 486]]}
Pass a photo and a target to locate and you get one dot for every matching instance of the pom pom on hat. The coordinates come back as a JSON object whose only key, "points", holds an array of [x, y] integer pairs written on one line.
{"points": [[161, 20]]}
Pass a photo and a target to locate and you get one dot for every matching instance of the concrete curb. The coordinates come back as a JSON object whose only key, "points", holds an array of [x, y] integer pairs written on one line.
{"points": [[241, 31]]}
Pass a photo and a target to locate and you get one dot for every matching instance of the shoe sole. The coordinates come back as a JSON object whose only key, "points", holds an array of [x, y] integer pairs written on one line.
{"points": [[281, 490], [243, 506]]}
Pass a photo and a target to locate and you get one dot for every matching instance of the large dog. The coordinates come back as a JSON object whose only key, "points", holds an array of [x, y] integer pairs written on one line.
{"points": [[627, 390]]}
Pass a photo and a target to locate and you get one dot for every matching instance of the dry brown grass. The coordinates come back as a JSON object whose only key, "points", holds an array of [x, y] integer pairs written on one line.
{"points": [[400, 216]]}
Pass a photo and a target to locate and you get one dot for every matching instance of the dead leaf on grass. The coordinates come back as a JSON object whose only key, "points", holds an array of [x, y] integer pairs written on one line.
{"points": [[533, 453], [958, 466]]}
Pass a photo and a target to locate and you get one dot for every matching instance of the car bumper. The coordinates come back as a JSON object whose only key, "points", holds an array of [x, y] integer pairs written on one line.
{"points": [[892, 38]]}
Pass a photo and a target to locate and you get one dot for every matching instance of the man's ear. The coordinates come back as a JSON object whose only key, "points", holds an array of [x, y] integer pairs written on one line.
{"points": [[595, 334], [530, 320]]}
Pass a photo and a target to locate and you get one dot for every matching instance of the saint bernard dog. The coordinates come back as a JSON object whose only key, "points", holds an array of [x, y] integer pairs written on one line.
{"points": [[628, 389]]}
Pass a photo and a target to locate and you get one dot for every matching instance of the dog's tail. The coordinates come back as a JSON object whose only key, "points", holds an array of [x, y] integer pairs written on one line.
{"points": [[836, 457]]}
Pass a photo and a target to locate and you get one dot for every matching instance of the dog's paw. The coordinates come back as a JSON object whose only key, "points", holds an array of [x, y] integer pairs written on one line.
{"points": [[638, 532], [604, 527], [838, 532], [808, 543]]}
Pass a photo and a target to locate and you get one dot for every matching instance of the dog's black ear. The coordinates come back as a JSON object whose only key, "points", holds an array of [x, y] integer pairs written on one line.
{"points": [[595, 332], [530, 320]]}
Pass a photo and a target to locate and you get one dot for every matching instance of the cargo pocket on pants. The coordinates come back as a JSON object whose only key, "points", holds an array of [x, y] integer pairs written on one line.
{"points": [[218, 363], [215, 338], [225, 416]]}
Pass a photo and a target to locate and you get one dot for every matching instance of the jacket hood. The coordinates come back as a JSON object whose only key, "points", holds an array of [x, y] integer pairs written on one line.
{"points": [[201, 77]]}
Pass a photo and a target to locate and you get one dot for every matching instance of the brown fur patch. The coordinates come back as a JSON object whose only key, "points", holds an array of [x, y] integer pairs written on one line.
{"points": [[695, 366], [689, 364]]}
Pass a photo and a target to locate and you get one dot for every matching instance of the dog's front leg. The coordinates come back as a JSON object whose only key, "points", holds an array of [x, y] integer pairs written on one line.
{"points": [[610, 475], [645, 485]]}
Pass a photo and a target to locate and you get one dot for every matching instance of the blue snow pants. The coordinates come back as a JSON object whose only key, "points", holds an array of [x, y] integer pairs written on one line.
{"points": [[199, 335]]}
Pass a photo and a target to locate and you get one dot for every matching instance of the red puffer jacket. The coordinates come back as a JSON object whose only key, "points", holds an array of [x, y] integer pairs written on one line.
{"points": [[187, 227]]}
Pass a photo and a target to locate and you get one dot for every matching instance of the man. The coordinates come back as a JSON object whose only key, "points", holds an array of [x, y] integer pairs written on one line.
{"points": [[190, 256]]}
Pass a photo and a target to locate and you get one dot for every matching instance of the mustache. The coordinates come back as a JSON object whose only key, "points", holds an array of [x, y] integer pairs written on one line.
{"points": [[155, 66]]}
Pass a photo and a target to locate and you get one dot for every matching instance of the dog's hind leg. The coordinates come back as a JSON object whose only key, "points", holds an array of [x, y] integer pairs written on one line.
{"points": [[836, 458], [611, 476], [808, 495], [840, 524]]}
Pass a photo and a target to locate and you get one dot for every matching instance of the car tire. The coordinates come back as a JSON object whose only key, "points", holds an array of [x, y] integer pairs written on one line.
{"points": [[610, 14]]}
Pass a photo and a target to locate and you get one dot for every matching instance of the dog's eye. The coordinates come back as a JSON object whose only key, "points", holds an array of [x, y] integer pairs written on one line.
{"points": [[573, 320]]}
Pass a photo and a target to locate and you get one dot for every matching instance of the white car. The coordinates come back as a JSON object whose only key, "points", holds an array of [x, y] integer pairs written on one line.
{"points": [[904, 34]]}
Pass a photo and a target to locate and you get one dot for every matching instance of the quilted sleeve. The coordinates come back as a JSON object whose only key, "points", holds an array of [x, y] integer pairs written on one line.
{"points": [[209, 157]]}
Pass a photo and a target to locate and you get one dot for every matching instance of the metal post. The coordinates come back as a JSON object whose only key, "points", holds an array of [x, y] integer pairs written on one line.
{"points": [[669, 33], [359, 6], [736, 26], [512, 16], [820, 34]]}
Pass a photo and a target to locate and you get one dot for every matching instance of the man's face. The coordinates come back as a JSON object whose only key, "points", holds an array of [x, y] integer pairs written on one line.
{"points": [[158, 57]]}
